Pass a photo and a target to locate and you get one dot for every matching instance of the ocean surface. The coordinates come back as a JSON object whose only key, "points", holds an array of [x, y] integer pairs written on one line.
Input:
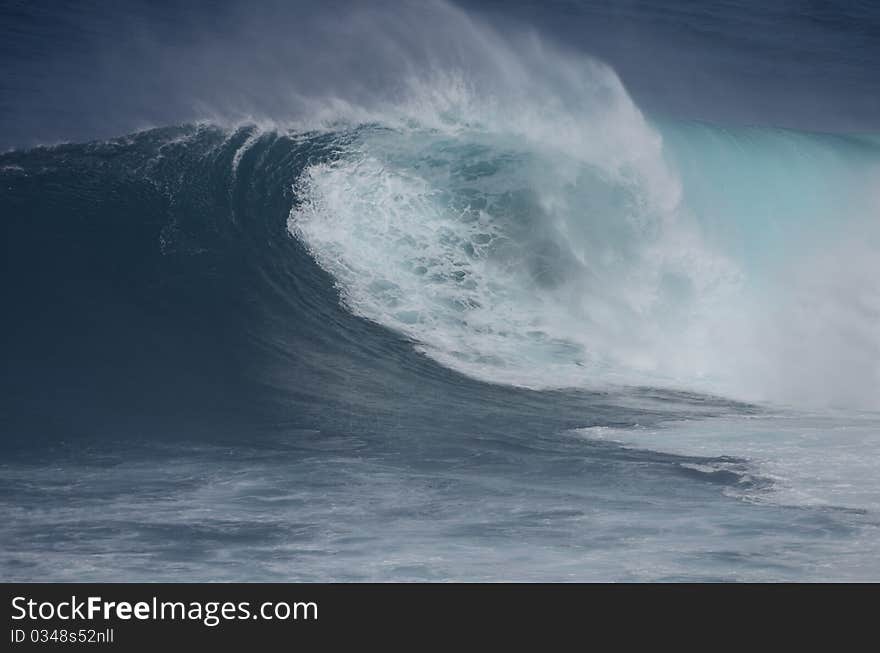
{"points": [[398, 291]]}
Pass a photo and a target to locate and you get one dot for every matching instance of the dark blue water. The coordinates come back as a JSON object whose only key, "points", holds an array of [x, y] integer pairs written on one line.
{"points": [[425, 293]]}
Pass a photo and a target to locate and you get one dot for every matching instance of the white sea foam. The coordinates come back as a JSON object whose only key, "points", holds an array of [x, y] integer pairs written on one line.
{"points": [[522, 222], [830, 460], [534, 239]]}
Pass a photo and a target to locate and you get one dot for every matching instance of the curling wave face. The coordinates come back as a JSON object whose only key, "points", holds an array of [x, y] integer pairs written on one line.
{"points": [[505, 205]]}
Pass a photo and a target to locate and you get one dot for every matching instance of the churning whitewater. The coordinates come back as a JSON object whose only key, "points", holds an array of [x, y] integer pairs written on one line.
{"points": [[448, 305], [570, 243]]}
